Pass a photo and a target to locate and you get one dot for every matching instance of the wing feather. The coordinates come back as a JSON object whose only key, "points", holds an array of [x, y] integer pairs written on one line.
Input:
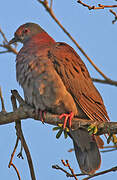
{"points": [[77, 81]]}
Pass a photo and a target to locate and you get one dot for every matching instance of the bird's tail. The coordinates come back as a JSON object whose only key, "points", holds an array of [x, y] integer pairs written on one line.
{"points": [[86, 150]]}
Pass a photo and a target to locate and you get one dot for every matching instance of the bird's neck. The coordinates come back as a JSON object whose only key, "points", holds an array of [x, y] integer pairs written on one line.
{"points": [[40, 39]]}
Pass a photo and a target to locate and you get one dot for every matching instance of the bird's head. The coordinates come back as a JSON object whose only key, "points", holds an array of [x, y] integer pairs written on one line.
{"points": [[25, 32]]}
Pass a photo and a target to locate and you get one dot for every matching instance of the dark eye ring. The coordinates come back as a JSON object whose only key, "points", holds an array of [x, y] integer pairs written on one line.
{"points": [[25, 31]]}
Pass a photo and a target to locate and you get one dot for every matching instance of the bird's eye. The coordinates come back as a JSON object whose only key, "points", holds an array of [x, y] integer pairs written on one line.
{"points": [[25, 31]]}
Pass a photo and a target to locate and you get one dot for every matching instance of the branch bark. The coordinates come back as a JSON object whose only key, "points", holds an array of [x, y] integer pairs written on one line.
{"points": [[109, 82], [99, 6], [25, 112]]}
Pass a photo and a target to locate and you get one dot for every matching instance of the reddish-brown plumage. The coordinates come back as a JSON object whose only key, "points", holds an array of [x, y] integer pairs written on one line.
{"points": [[55, 79]]}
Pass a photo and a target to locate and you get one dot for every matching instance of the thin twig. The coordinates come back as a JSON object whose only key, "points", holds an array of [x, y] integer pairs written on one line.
{"points": [[50, 11], [3, 35], [11, 159], [13, 153], [114, 13], [18, 97], [101, 173], [2, 101], [51, 3], [16, 171], [109, 82], [3, 52], [20, 134], [30, 163], [100, 6], [14, 105], [110, 150], [57, 167], [71, 150], [89, 177], [9, 48], [20, 153], [63, 170], [5, 44], [72, 171], [108, 147]]}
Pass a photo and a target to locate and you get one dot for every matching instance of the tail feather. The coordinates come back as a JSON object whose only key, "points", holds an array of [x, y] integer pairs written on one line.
{"points": [[86, 150]]}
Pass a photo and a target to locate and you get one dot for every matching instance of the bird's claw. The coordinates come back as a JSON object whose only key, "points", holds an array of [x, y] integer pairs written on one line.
{"points": [[67, 117], [39, 114], [113, 138], [92, 129]]}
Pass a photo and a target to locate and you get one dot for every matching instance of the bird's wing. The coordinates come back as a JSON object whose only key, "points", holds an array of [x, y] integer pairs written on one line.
{"points": [[77, 81]]}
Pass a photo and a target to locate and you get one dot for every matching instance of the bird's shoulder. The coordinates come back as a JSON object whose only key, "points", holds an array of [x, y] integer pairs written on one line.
{"points": [[64, 55]]}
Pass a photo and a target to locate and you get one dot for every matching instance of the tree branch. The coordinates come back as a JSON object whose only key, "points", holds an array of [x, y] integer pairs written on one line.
{"points": [[69, 167], [57, 167], [114, 13], [20, 136], [25, 111], [102, 172], [5, 45], [110, 82], [9, 48], [100, 6]]}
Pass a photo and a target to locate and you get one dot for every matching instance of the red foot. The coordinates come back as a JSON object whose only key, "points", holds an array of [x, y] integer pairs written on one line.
{"points": [[42, 115], [67, 117]]}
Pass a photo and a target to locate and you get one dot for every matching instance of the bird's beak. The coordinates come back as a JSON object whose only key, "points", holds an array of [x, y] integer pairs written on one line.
{"points": [[14, 40]]}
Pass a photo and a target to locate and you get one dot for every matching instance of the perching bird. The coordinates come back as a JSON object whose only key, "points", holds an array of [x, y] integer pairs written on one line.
{"points": [[55, 79]]}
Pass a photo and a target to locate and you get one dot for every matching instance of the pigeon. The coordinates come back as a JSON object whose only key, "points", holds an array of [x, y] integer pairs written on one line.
{"points": [[55, 79]]}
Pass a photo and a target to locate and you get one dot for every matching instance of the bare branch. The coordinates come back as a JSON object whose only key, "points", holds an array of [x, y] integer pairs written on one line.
{"points": [[113, 169], [3, 52], [114, 13], [100, 6], [69, 167], [16, 171], [25, 111], [57, 167], [9, 48], [51, 3], [3, 35], [110, 82], [30, 163], [13, 100], [63, 170], [2, 101], [13, 153], [5, 44], [102, 172], [20, 134]]}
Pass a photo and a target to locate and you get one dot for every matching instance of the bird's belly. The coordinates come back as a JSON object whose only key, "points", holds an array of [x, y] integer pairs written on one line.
{"points": [[46, 93]]}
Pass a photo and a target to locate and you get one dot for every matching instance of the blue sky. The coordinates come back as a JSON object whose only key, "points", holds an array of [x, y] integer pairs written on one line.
{"points": [[96, 34]]}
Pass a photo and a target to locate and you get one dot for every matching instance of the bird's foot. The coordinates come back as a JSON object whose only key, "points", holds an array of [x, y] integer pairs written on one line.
{"points": [[93, 129], [68, 117], [113, 138], [40, 114]]}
